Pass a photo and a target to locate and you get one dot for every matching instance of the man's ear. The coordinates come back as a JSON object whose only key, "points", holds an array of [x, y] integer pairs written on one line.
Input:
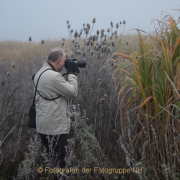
{"points": [[59, 61]]}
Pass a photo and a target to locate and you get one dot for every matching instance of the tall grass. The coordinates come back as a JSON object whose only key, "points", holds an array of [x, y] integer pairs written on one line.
{"points": [[153, 76]]}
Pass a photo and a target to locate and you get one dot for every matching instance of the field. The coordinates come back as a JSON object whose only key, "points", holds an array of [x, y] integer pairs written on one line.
{"points": [[125, 120]]}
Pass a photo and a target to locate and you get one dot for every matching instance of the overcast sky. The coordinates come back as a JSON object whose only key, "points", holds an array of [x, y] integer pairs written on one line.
{"points": [[46, 19]]}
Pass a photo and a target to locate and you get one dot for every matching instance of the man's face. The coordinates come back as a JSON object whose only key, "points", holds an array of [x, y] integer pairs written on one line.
{"points": [[62, 62]]}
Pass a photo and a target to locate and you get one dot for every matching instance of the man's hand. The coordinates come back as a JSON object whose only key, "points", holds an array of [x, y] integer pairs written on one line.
{"points": [[71, 66]]}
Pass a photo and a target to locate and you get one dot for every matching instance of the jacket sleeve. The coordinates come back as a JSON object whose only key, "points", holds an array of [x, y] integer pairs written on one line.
{"points": [[65, 88]]}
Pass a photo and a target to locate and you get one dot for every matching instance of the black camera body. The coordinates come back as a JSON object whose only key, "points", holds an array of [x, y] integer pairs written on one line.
{"points": [[80, 63]]}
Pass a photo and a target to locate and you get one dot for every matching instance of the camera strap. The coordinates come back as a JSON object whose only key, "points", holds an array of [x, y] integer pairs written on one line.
{"points": [[39, 93]]}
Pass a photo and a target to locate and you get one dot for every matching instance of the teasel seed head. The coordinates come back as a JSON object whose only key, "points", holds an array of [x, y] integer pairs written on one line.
{"points": [[69, 26], [94, 20], [42, 42], [91, 52], [87, 43], [112, 43], [108, 30], [111, 23], [88, 26], [97, 31], [110, 37], [117, 25], [62, 43], [30, 39], [87, 31], [67, 22], [105, 48], [92, 43], [120, 22], [8, 73], [71, 31], [94, 38], [127, 43], [13, 65], [75, 34], [73, 41], [83, 24], [102, 31], [124, 22]]}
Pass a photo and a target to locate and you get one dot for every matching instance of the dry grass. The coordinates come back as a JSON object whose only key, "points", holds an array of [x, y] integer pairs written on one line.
{"points": [[19, 61]]}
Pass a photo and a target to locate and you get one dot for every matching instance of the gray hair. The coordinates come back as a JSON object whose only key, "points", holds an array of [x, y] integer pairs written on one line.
{"points": [[55, 54]]}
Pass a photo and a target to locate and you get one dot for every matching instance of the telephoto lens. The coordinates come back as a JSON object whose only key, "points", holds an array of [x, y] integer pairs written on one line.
{"points": [[80, 63]]}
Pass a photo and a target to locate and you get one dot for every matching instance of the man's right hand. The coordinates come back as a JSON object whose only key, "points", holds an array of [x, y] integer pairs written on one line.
{"points": [[71, 66]]}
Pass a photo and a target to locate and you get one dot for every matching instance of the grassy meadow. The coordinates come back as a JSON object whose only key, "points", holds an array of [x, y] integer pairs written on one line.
{"points": [[126, 115]]}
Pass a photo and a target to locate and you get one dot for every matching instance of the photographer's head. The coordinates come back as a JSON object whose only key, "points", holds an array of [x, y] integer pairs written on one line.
{"points": [[57, 58]]}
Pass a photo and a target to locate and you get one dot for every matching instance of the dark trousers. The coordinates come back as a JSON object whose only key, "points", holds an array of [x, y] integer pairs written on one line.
{"points": [[55, 149]]}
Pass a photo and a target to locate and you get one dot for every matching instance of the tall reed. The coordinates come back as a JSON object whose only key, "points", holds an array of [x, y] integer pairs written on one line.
{"points": [[153, 77]]}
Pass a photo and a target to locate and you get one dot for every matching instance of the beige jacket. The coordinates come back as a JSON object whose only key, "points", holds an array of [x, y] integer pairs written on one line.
{"points": [[52, 117]]}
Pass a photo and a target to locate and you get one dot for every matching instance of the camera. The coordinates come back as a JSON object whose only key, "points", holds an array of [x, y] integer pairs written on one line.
{"points": [[80, 63]]}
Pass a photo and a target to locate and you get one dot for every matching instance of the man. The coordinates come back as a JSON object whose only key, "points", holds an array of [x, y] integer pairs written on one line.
{"points": [[52, 116]]}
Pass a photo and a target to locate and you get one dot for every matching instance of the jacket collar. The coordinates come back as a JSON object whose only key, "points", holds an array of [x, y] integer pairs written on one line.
{"points": [[48, 64], [51, 66]]}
